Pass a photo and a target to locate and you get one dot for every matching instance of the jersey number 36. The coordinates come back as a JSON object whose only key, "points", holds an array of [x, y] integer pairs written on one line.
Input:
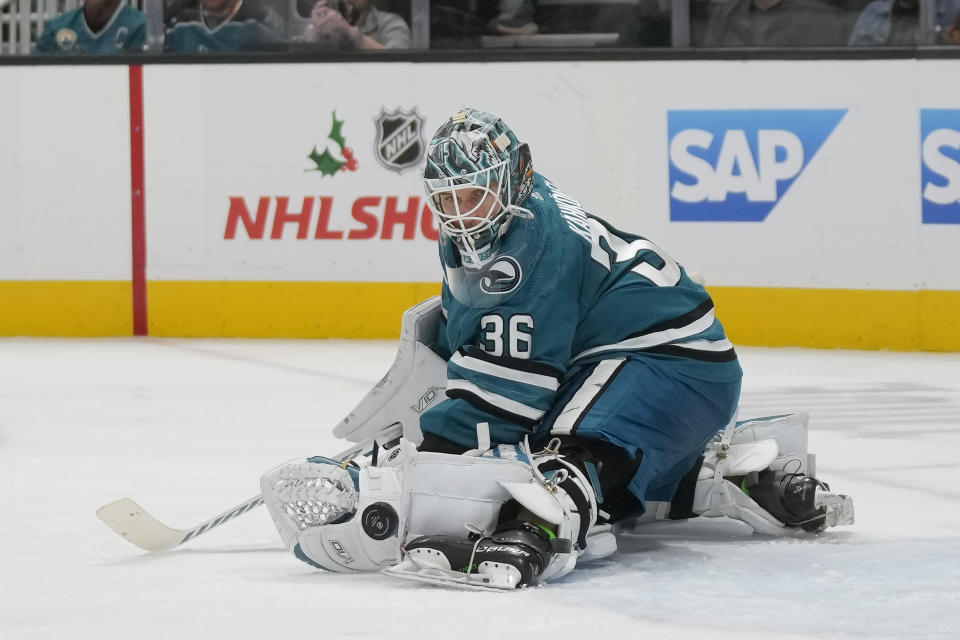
{"points": [[518, 338]]}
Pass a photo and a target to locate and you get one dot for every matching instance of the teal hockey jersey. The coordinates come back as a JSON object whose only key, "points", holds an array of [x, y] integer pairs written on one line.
{"points": [[194, 36], [69, 33], [566, 289]]}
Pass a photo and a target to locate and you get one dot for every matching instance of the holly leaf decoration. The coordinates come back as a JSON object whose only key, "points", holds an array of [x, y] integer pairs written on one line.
{"points": [[335, 131], [326, 163]]}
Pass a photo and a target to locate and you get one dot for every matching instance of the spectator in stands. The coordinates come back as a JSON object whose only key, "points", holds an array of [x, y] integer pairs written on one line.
{"points": [[222, 25], [775, 23], [99, 26], [952, 33], [356, 24], [514, 19], [897, 23]]}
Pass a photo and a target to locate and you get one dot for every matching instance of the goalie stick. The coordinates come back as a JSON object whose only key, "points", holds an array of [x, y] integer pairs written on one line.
{"points": [[130, 520]]}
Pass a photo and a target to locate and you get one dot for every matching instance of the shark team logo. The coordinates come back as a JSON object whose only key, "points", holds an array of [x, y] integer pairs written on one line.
{"points": [[503, 276], [940, 165], [737, 165], [400, 144]]}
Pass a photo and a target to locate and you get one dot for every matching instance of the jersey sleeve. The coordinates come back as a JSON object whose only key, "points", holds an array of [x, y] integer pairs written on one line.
{"points": [[46, 43], [393, 33]]}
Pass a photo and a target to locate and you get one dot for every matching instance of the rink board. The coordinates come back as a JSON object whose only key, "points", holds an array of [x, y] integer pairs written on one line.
{"points": [[820, 211]]}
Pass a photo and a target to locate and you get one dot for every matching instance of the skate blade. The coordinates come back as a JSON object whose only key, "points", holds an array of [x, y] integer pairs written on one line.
{"points": [[839, 508], [407, 570]]}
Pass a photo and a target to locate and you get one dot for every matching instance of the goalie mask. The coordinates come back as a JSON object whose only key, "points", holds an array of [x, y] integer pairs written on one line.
{"points": [[476, 177]]}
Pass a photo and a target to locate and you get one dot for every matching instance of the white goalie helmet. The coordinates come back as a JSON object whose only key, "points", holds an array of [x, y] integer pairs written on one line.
{"points": [[476, 177]]}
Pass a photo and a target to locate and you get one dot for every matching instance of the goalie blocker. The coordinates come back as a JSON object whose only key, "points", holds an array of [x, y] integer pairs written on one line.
{"points": [[503, 517]]}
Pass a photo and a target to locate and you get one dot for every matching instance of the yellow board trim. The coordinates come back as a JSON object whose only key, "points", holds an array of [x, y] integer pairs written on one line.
{"points": [[281, 309], [819, 318], [65, 308], [840, 318]]}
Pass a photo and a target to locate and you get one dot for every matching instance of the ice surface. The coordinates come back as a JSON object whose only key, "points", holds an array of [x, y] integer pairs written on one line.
{"points": [[187, 427]]}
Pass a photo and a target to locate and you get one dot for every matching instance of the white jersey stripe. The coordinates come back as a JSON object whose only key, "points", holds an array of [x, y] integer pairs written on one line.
{"points": [[584, 397], [705, 345], [502, 402], [500, 371], [653, 339]]}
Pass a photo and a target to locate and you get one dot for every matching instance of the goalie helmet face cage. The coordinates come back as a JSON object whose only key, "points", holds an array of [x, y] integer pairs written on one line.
{"points": [[477, 173]]}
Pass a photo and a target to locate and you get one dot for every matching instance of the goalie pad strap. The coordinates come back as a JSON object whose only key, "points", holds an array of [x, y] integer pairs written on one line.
{"points": [[681, 507]]}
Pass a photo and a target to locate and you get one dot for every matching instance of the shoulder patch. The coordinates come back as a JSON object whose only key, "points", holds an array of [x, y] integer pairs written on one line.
{"points": [[66, 38], [503, 276]]}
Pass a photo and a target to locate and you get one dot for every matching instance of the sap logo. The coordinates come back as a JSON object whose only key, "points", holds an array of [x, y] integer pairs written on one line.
{"points": [[940, 165], [737, 165]]}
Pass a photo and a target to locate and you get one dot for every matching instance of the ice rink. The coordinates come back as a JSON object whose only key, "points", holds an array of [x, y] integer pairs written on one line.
{"points": [[186, 427]]}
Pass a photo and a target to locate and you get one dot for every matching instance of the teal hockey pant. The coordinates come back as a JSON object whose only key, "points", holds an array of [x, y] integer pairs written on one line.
{"points": [[647, 408]]}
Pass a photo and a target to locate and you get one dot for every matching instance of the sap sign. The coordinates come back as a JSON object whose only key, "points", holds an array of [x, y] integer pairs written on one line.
{"points": [[736, 165], [940, 165]]}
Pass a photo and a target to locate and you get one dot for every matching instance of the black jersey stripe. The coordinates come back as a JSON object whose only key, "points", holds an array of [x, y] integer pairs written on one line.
{"points": [[689, 317], [479, 403], [519, 364], [694, 354]]}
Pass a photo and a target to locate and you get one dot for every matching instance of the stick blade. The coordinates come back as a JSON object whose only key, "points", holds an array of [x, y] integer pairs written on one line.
{"points": [[132, 521]]}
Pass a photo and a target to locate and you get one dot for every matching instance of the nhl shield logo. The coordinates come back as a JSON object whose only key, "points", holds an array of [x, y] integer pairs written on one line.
{"points": [[400, 144]]}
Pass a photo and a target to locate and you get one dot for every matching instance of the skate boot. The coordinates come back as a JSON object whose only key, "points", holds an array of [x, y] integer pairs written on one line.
{"points": [[793, 498], [511, 558]]}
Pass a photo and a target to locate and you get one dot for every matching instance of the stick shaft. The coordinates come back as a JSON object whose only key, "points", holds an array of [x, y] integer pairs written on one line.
{"points": [[133, 522]]}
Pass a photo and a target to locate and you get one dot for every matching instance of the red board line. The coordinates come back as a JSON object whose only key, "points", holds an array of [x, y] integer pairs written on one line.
{"points": [[137, 208]]}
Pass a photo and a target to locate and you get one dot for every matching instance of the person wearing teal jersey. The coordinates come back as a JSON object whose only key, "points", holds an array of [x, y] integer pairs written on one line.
{"points": [[222, 25], [557, 324], [588, 383], [99, 26]]}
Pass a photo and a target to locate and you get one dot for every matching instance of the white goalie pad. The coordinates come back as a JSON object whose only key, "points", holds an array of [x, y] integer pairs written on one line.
{"points": [[415, 381], [445, 493], [349, 520], [788, 431], [447, 511], [774, 442]]}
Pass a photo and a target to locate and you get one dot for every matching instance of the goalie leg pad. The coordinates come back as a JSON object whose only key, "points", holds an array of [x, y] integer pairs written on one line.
{"points": [[538, 538], [768, 458], [444, 493]]}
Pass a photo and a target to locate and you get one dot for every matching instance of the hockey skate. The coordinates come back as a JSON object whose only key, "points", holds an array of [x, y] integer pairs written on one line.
{"points": [[765, 462], [797, 500], [509, 559], [539, 531], [758, 476]]}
